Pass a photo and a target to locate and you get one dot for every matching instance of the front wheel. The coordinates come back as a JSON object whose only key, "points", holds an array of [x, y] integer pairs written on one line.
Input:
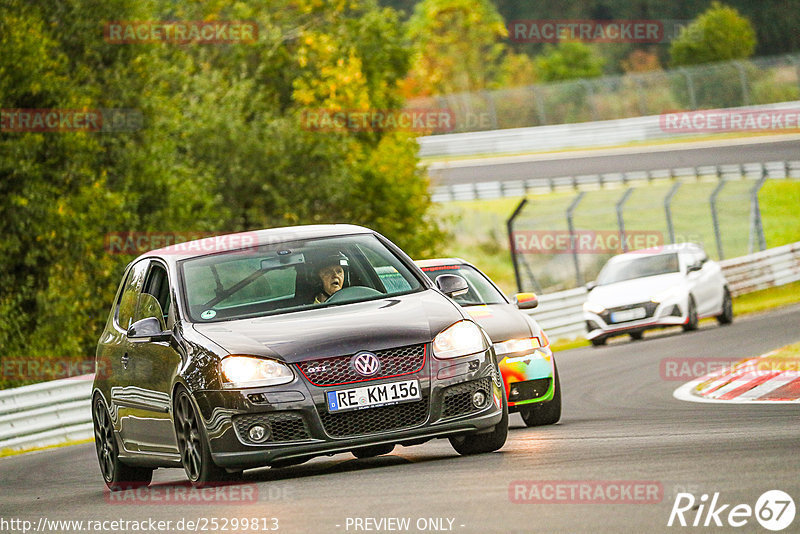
{"points": [[193, 444], [726, 317], [598, 341], [116, 474], [482, 443], [547, 412], [691, 320]]}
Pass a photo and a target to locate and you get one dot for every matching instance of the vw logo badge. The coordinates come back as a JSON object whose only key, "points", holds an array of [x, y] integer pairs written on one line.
{"points": [[366, 363]]}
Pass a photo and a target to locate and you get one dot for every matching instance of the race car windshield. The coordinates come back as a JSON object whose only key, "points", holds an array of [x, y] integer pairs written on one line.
{"points": [[287, 277], [619, 271], [481, 291]]}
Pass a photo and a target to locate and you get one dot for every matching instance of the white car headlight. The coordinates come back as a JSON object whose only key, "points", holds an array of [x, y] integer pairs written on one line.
{"points": [[461, 339], [251, 371], [593, 307], [516, 345], [671, 293]]}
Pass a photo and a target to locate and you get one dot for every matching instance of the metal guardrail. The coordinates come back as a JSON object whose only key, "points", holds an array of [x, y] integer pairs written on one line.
{"points": [[54, 412], [519, 188], [561, 313], [564, 136]]}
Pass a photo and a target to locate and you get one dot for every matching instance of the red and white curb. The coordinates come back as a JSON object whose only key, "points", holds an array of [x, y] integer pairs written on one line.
{"points": [[754, 381]]}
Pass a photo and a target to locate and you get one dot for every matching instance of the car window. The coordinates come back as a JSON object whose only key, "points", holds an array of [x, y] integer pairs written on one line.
{"points": [[480, 290], [281, 278], [130, 294], [157, 285], [641, 267]]}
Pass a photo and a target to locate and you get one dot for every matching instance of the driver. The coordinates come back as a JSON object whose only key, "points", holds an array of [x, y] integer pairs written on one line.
{"points": [[331, 273]]}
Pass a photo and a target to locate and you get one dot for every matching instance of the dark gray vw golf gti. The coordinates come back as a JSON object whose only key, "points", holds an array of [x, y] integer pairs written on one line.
{"points": [[272, 347]]}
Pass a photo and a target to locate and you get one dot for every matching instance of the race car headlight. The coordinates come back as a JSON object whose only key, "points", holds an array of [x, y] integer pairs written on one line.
{"points": [[593, 307], [516, 345], [671, 293], [250, 371], [461, 339]]}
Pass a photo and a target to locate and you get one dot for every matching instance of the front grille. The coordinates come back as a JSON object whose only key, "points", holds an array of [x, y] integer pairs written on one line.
{"points": [[283, 426], [529, 389], [649, 308], [373, 420], [337, 371], [458, 398]]}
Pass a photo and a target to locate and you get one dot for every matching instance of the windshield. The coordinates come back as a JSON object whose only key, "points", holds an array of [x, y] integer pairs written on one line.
{"points": [[619, 271], [293, 276], [481, 291]]}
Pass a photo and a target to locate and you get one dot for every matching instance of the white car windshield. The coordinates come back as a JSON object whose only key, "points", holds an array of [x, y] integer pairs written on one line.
{"points": [[647, 265]]}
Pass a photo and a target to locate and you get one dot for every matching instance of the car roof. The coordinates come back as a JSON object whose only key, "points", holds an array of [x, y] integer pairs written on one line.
{"points": [[269, 236], [440, 262], [663, 249]]}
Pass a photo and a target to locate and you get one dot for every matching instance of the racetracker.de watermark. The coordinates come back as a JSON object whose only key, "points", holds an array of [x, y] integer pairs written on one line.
{"points": [[135, 243], [585, 492], [684, 369], [593, 31], [41, 368], [730, 120], [186, 494], [409, 120], [584, 241], [70, 120], [180, 32]]}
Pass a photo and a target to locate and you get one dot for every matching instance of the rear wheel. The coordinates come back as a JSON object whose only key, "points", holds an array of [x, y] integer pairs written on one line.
{"points": [[482, 443], [692, 321], [374, 450], [598, 341], [116, 474], [636, 336], [726, 317], [193, 444], [544, 413]]}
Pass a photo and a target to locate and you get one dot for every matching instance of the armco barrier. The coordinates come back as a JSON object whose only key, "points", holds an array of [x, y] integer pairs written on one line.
{"points": [[57, 411]]}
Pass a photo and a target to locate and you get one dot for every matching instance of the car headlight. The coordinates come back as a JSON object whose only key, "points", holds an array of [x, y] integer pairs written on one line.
{"points": [[516, 345], [671, 293], [251, 371], [593, 307], [461, 339]]}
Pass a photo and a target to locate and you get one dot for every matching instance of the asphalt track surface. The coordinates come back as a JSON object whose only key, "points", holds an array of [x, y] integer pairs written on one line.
{"points": [[620, 422], [644, 158]]}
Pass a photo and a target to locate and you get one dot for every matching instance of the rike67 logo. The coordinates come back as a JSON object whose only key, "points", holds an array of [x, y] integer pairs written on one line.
{"points": [[774, 510]]}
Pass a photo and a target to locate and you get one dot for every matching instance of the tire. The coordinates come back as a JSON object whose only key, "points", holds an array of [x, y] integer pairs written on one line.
{"points": [[193, 444], [598, 341], [636, 336], [692, 322], [116, 474], [372, 451], [483, 443], [726, 317], [544, 413]]}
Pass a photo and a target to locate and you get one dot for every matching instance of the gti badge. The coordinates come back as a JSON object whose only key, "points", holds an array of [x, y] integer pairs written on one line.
{"points": [[366, 363]]}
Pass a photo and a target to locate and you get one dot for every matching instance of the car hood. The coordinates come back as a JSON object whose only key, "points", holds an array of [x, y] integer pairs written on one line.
{"points": [[634, 291], [501, 321], [338, 330]]}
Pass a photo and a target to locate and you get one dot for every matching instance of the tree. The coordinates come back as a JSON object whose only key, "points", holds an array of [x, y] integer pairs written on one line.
{"points": [[568, 60], [719, 34], [458, 45]]}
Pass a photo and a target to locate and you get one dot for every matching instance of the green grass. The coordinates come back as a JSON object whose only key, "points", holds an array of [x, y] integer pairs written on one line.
{"points": [[480, 235]]}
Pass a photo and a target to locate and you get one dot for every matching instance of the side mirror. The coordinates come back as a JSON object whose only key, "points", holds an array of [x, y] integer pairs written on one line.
{"points": [[591, 285], [451, 285], [149, 327], [694, 267], [526, 301]]}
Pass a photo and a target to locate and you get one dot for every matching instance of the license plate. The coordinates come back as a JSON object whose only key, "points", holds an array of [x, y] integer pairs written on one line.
{"points": [[628, 315], [371, 396]]}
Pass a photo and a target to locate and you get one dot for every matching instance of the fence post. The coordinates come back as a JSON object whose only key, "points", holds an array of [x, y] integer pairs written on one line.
{"points": [[571, 227], [743, 81], [513, 249], [668, 210], [690, 88], [590, 95], [756, 228], [490, 105], [715, 218], [620, 219], [539, 107]]}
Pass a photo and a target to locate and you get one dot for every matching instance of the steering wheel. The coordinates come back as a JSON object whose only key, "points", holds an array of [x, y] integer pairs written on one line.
{"points": [[353, 293]]}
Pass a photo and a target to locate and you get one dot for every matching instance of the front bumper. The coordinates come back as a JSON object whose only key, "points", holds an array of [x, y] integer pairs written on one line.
{"points": [[659, 315], [528, 378], [301, 426]]}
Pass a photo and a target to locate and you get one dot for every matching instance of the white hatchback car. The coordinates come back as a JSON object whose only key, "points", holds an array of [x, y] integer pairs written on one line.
{"points": [[653, 288]]}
